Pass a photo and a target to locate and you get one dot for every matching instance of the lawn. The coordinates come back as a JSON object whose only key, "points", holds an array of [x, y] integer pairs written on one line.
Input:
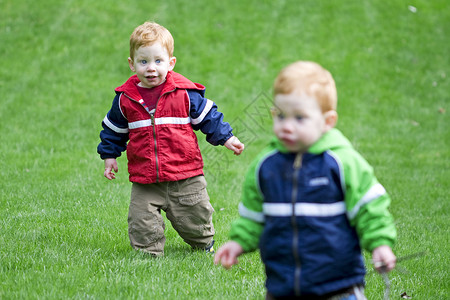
{"points": [[63, 226]]}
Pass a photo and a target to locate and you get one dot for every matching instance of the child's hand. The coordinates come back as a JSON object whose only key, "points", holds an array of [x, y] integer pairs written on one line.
{"points": [[235, 145], [110, 165], [227, 254], [383, 259]]}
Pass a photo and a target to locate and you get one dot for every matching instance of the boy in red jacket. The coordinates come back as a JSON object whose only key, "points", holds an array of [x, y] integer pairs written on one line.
{"points": [[156, 111]]}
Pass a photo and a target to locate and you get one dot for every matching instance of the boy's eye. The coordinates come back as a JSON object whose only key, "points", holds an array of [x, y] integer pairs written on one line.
{"points": [[281, 116], [158, 61], [144, 62], [299, 118]]}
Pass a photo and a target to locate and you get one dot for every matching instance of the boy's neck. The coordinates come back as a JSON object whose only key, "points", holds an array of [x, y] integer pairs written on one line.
{"points": [[144, 87]]}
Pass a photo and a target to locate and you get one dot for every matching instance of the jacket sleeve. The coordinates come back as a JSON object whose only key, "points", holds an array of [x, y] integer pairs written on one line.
{"points": [[205, 116], [367, 204], [114, 136], [248, 228]]}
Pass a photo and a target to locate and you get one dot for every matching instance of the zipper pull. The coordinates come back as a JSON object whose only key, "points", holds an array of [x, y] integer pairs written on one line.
{"points": [[152, 116], [298, 161]]}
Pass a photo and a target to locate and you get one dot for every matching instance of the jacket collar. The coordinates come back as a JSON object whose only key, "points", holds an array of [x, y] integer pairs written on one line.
{"points": [[173, 81]]}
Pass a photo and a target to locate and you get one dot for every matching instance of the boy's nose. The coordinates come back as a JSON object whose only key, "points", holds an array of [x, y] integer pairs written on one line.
{"points": [[287, 126]]}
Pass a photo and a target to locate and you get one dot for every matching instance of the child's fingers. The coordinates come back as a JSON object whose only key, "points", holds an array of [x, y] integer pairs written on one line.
{"points": [[227, 261], [220, 254], [235, 145], [237, 151], [389, 265], [238, 147], [384, 259], [382, 267], [224, 258], [109, 174]]}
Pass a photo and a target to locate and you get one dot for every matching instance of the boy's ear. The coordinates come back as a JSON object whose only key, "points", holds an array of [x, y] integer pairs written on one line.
{"points": [[172, 62], [131, 64], [331, 118]]}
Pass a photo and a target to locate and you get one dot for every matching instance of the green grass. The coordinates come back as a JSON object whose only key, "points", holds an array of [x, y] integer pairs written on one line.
{"points": [[63, 228]]}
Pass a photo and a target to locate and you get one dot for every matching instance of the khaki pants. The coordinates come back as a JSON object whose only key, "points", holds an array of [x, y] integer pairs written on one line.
{"points": [[187, 206]]}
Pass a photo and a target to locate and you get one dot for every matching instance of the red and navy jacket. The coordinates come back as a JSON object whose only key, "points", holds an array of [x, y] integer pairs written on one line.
{"points": [[161, 144]]}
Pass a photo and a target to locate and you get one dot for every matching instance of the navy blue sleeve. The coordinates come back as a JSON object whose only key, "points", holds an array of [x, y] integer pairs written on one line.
{"points": [[114, 136], [205, 116]]}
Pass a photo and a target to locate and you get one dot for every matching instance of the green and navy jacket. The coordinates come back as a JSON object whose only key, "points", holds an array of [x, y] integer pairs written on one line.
{"points": [[310, 214]]}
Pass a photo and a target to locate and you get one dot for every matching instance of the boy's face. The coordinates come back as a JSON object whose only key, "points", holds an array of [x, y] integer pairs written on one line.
{"points": [[151, 64], [298, 121]]}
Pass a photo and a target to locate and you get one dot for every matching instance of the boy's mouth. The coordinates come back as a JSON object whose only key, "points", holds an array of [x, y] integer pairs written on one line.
{"points": [[287, 141]]}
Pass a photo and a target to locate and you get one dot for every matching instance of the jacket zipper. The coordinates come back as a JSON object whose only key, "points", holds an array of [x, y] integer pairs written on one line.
{"points": [[152, 117], [295, 241]]}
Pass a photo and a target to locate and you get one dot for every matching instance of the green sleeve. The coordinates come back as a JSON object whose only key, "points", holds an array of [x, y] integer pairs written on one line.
{"points": [[375, 224], [248, 228], [367, 202], [246, 233]]}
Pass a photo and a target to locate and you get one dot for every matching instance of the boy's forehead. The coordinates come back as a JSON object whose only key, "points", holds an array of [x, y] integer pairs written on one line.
{"points": [[151, 48], [294, 97], [295, 101]]}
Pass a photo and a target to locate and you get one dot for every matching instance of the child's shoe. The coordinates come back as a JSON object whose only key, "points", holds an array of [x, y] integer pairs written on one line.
{"points": [[210, 248]]}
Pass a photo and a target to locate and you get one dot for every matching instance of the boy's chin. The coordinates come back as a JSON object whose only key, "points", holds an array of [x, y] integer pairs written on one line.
{"points": [[297, 148], [293, 148]]}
